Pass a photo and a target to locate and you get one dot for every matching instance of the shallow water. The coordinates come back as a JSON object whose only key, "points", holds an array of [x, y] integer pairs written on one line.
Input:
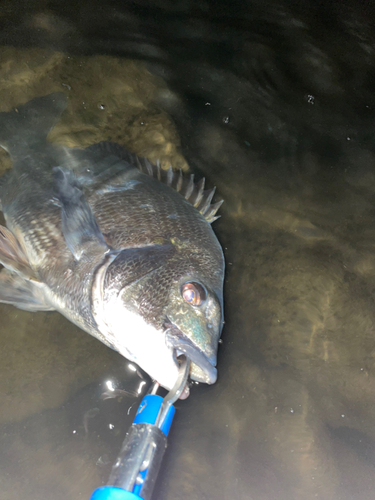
{"points": [[275, 106]]}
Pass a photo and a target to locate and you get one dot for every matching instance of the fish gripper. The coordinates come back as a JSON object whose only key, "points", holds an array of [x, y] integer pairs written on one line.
{"points": [[134, 473]]}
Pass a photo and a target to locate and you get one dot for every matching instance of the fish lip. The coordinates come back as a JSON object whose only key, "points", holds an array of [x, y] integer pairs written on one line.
{"points": [[179, 342]]}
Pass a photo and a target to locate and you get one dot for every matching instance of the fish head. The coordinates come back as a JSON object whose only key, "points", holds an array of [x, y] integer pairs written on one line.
{"points": [[194, 319], [154, 307]]}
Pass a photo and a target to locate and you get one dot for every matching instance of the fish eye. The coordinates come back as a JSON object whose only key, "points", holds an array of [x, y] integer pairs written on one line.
{"points": [[193, 293]]}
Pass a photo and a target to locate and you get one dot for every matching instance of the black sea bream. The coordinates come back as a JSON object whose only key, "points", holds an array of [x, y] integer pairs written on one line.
{"points": [[120, 247]]}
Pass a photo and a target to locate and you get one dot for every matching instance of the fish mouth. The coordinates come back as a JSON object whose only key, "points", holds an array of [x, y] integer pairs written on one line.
{"points": [[205, 370]]}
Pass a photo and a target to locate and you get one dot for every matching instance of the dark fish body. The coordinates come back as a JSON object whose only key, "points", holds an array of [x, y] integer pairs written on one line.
{"points": [[120, 247]]}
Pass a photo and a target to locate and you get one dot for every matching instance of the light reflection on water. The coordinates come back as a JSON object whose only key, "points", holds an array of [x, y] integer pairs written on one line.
{"points": [[292, 413]]}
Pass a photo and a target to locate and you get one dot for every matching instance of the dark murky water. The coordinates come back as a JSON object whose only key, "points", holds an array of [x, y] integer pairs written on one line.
{"points": [[274, 104]]}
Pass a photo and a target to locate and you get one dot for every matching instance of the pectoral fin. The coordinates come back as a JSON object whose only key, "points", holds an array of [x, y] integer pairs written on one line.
{"points": [[21, 293], [19, 285], [12, 256], [79, 226]]}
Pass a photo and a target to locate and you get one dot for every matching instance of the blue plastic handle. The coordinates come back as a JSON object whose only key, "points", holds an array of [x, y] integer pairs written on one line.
{"points": [[113, 493], [148, 412]]}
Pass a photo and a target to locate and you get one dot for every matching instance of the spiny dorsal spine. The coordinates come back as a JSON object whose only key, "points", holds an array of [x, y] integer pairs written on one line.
{"points": [[193, 192]]}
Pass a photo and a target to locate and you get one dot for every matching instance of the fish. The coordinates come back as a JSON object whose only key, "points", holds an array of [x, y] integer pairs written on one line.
{"points": [[122, 248]]}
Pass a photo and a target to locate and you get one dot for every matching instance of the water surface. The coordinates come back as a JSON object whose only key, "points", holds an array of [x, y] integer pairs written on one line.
{"points": [[274, 105]]}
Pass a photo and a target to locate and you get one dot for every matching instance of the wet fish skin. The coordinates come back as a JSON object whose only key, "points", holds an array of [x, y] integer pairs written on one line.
{"points": [[110, 246]]}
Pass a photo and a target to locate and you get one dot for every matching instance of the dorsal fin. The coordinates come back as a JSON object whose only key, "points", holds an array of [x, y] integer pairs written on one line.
{"points": [[193, 192]]}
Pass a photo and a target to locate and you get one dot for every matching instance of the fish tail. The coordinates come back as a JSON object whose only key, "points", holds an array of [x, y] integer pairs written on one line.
{"points": [[29, 124]]}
